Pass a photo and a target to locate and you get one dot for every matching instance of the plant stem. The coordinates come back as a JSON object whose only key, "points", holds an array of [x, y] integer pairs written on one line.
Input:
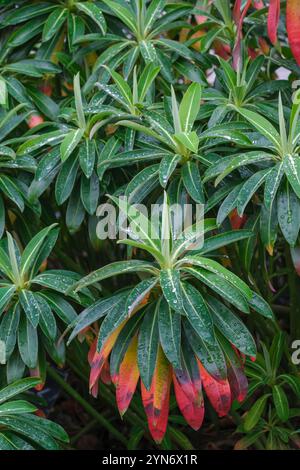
{"points": [[83, 431], [88, 408]]}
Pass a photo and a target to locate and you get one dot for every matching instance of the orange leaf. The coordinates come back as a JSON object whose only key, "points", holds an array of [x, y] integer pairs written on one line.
{"points": [[128, 377], [156, 400]]}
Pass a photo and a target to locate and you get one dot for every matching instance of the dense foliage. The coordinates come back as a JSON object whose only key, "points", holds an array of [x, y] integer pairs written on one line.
{"points": [[150, 102]]}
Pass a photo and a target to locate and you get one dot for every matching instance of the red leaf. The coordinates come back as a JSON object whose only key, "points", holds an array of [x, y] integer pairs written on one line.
{"points": [[105, 374], [236, 221], [293, 27], [238, 382], [258, 4], [128, 377], [97, 360], [156, 400], [273, 20], [237, 48], [192, 411], [218, 393], [237, 11]]}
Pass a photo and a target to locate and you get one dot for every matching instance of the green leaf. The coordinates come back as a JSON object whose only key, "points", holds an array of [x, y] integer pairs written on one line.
{"points": [[54, 22], [78, 102], [146, 79], [35, 143], [28, 342], [260, 306], [169, 323], [14, 258], [262, 125], [191, 237], [75, 211], [16, 407], [6, 294], [293, 381], [3, 92], [190, 106], [272, 183], [46, 318], [31, 306], [152, 13], [89, 192], [59, 280], [222, 239], [197, 313], [255, 413], [171, 287], [47, 426], [44, 103], [148, 344], [121, 345], [229, 203], [8, 329], [190, 140], [123, 87], [175, 112], [217, 268], [291, 166], [232, 327], [167, 166], [32, 249], [148, 51], [12, 191], [94, 12], [281, 403], [66, 179], [268, 227], [139, 294], [123, 13], [87, 156], [76, 27], [61, 307], [229, 74], [114, 269], [192, 181], [94, 312], [210, 355], [112, 320], [249, 188], [18, 424], [18, 387], [70, 142], [219, 285], [288, 208], [244, 159]]}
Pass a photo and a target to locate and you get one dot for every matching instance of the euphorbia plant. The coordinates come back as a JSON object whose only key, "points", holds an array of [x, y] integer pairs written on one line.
{"points": [[141, 41], [51, 21], [175, 324], [72, 159], [174, 140], [277, 167], [28, 299]]}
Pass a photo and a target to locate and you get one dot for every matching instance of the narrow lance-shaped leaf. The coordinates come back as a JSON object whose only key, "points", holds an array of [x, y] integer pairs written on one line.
{"points": [[169, 322]]}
